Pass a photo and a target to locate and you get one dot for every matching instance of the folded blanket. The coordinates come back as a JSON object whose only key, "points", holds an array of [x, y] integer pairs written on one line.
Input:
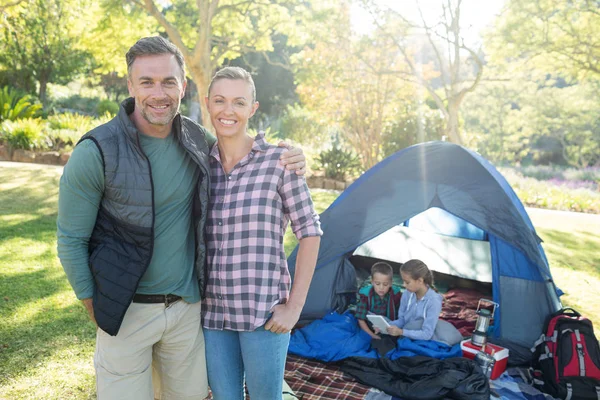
{"points": [[406, 347], [332, 338]]}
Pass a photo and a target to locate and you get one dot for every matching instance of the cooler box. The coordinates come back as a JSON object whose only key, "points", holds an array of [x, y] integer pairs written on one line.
{"points": [[469, 350]]}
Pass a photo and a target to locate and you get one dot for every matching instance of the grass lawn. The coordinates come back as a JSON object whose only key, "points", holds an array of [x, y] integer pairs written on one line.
{"points": [[47, 341]]}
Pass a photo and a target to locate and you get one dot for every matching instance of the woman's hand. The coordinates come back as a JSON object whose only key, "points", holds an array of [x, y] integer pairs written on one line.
{"points": [[394, 330], [284, 317]]}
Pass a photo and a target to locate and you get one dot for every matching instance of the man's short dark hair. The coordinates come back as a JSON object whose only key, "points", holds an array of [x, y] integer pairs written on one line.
{"points": [[154, 45]]}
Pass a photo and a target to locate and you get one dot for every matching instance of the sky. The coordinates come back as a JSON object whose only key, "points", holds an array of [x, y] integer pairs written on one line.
{"points": [[475, 14]]}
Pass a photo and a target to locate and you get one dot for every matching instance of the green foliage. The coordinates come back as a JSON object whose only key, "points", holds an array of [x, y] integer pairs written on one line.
{"points": [[14, 105], [26, 134], [71, 121], [532, 122], [300, 124], [274, 83], [553, 195], [77, 103], [212, 33], [345, 84], [412, 125], [107, 106], [59, 132], [40, 40], [553, 35], [66, 129], [112, 27], [339, 164], [556, 173], [114, 85]]}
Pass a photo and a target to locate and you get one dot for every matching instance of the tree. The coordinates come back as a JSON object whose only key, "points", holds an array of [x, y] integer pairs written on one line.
{"points": [[275, 88], [536, 122], [555, 36], [208, 32], [112, 28], [550, 49], [494, 118], [571, 116], [40, 43], [417, 122], [114, 85], [342, 81], [6, 4], [459, 65]]}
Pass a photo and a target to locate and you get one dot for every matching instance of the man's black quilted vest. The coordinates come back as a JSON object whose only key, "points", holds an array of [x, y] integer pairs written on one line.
{"points": [[122, 241]]}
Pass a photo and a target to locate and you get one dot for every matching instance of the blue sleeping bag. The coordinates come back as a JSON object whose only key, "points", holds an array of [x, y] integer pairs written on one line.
{"points": [[332, 338], [406, 347]]}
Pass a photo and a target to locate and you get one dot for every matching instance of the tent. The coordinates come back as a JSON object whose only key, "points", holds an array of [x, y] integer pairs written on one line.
{"points": [[441, 200]]}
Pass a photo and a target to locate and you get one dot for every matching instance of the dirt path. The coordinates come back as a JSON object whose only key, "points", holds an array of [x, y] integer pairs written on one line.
{"points": [[10, 164], [551, 219]]}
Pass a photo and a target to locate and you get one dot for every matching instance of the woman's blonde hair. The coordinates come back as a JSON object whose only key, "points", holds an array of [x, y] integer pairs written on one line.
{"points": [[234, 73]]}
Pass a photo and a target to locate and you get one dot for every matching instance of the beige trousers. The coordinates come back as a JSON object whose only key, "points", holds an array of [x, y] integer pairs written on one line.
{"points": [[158, 353]]}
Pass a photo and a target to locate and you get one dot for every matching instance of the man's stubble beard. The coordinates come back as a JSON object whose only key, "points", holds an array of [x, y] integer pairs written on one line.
{"points": [[163, 121]]}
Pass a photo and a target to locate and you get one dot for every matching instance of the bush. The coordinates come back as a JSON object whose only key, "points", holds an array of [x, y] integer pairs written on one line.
{"points": [[66, 129], [560, 176], [76, 104], [26, 134], [15, 105], [75, 122], [107, 106], [554, 194], [339, 164], [303, 126]]}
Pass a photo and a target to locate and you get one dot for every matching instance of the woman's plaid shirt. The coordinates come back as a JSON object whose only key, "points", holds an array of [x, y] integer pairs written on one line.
{"points": [[249, 212]]}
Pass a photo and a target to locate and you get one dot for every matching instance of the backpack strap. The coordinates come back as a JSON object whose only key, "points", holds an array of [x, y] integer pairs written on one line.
{"points": [[546, 355], [569, 392], [566, 311], [580, 353], [543, 338]]}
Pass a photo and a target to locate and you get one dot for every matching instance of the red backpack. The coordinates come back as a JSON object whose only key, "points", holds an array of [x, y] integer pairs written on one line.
{"points": [[566, 358]]}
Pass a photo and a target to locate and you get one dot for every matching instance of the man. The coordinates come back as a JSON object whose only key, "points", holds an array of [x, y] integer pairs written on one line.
{"points": [[132, 208]]}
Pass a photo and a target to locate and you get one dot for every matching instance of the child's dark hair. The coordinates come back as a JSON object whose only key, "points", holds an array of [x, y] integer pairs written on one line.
{"points": [[417, 269], [382, 268]]}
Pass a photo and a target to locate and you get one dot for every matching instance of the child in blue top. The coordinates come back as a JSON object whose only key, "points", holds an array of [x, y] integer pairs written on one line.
{"points": [[420, 308]]}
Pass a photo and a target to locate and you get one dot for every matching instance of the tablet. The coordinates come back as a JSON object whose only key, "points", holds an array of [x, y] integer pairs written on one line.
{"points": [[379, 321]]}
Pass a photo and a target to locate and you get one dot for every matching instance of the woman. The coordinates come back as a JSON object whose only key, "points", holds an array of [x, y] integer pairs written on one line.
{"points": [[249, 309]]}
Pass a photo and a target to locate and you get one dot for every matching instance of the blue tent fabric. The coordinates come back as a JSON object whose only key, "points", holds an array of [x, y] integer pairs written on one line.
{"points": [[406, 347], [332, 338], [467, 187]]}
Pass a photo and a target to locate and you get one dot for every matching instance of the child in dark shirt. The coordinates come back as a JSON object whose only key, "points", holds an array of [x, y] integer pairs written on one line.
{"points": [[381, 300]]}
